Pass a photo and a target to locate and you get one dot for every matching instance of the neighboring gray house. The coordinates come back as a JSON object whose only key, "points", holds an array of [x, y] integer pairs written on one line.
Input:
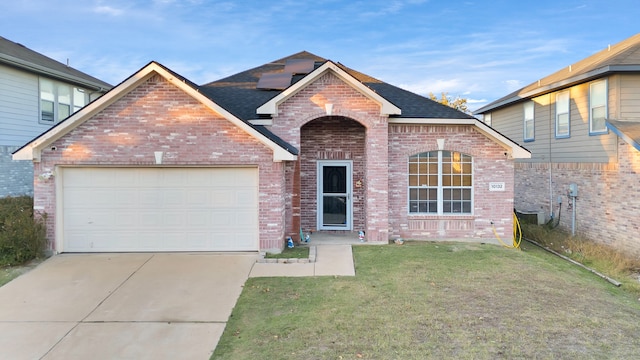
{"points": [[582, 126], [36, 92]]}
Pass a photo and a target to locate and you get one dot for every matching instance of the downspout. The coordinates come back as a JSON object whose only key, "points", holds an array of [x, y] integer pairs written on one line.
{"points": [[550, 164]]}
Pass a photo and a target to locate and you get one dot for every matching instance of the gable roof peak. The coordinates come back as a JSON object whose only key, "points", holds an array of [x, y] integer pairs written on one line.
{"points": [[299, 55]]}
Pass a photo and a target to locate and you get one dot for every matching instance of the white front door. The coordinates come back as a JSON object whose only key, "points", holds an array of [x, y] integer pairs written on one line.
{"points": [[335, 210]]}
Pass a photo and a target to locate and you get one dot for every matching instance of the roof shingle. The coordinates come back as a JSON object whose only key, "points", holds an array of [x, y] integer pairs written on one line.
{"points": [[238, 93]]}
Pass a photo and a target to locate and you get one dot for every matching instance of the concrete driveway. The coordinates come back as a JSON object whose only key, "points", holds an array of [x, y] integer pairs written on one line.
{"points": [[121, 306]]}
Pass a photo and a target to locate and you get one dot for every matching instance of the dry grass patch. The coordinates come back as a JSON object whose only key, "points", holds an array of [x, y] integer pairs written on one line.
{"points": [[601, 257]]}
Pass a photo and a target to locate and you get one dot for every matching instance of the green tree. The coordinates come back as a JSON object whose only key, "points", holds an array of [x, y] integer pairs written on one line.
{"points": [[457, 103]]}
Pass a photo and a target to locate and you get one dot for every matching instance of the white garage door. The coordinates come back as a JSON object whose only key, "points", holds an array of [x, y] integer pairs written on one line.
{"points": [[159, 209]]}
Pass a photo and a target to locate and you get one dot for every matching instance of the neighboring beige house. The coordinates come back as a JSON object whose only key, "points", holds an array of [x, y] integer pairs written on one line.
{"points": [[36, 92], [582, 126]]}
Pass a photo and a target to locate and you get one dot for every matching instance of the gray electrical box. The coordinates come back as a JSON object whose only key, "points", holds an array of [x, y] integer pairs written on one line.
{"points": [[573, 190]]}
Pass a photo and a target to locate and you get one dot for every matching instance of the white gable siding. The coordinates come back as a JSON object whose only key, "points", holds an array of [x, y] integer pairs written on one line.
{"points": [[19, 107]]}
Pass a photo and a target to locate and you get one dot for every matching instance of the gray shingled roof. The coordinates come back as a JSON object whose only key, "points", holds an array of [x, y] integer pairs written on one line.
{"points": [[238, 94], [19, 56], [628, 130], [621, 57]]}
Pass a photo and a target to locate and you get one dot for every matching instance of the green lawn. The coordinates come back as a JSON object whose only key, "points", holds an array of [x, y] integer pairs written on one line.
{"points": [[440, 301]]}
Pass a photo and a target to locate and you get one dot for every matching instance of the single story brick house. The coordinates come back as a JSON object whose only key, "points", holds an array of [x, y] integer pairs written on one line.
{"points": [[159, 163]]}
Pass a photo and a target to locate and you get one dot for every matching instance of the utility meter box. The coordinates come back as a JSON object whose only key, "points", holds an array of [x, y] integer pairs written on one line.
{"points": [[573, 190]]}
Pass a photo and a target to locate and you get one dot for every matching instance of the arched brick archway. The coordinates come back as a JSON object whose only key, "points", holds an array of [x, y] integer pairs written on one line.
{"points": [[327, 139]]}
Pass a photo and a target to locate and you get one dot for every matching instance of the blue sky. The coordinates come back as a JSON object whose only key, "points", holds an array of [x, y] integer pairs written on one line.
{"points": [[479, 50]]}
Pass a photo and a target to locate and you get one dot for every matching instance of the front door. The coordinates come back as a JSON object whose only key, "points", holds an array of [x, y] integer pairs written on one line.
{"points": [[334, 195]]}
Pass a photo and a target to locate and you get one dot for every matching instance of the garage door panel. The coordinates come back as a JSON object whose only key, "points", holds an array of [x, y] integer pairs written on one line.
{"points": [[198, 198], [159, 209], [245, 197], [124, 198]]}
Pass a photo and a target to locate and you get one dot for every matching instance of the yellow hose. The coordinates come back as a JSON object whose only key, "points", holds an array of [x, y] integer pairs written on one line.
{"points": [[517, 234]]}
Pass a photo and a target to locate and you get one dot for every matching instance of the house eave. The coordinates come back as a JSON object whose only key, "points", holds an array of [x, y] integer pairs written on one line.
{"points": [[39, 69], [558, 85], [514, 150], [621, 134]]}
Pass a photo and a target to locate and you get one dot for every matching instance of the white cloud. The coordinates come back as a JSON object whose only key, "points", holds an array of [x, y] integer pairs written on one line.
{"points": [[108, 10], [513, 85]]}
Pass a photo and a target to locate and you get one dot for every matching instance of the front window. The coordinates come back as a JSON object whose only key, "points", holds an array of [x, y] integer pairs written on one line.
{"points": [[59, 100], [562, 114], [598, 107], [440, 182], [529, 125]]}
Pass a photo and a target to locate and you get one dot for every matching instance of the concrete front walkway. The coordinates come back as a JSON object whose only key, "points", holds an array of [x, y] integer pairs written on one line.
{"points": [[136, 306], [331, 260]]}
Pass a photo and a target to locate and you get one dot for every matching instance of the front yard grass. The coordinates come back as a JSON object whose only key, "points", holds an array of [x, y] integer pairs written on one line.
{"points": [[436, 300]]}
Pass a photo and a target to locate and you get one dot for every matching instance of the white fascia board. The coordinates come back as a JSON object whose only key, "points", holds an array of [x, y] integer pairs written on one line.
{"points": [[271, 107], [516, 151], [263, 122], [32, 150]]}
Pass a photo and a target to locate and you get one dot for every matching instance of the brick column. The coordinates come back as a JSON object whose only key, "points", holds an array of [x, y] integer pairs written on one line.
{"points": [[377, 182]]}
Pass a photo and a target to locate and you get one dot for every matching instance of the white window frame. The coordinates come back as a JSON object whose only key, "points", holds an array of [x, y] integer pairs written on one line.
{"points": [[598, 104], [75, 99], [486, 118], [528, 110], [563, 110], [441, 188]]}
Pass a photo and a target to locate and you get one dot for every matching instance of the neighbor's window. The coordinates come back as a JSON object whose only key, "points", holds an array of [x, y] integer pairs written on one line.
{"points": [[562, 114], [529, 134], [487, 118], [59, 100], [440, 182], [598, 107]]}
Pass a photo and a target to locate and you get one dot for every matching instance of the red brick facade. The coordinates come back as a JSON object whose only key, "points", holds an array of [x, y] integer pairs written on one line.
{"points": [[489, 165], [307, 106], [158, 116], [607, 203]]}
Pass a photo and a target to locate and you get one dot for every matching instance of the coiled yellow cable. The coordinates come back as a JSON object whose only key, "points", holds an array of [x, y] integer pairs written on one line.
{"points": [[517, 234]]}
